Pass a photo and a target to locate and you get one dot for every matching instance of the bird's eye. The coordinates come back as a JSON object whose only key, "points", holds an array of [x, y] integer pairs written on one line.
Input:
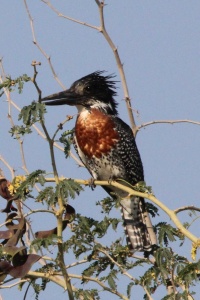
{"points": [[88, 88]]}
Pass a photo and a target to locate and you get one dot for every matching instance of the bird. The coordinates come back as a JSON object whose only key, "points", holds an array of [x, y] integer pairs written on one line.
{"points": [[107, 148]]}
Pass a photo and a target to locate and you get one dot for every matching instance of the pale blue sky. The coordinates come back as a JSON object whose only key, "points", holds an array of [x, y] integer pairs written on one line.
{"points": [[159, 44]]}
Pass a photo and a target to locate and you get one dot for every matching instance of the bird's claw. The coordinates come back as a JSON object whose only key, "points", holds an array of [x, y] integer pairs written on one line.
{"points": [[91, 183]]}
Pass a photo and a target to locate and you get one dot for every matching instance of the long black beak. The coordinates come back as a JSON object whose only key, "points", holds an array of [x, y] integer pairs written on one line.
{"points": [[68, 97]]}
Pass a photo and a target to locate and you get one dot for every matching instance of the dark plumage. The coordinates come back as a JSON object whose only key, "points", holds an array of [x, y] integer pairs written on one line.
{"points": [[107, 148]]}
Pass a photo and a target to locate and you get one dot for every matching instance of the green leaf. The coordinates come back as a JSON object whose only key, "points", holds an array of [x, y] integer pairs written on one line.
{"points": [[46, 243], [114, 223], [110, 278], [94, 267], [19, 130], [32, 113], [166, 233], [67, 139], [152, 209], [189, 272], [107, 204], [112, 283], [9, 83], [68, 188], [86, 294], [48, 195], [129, 287], [31, 180]]}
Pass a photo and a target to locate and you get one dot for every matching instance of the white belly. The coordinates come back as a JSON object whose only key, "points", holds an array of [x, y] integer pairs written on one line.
{"points": [[100, 168]]}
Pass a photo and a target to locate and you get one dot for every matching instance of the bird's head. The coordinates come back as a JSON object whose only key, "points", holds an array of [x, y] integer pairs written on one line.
{"points": [[92, 91]]}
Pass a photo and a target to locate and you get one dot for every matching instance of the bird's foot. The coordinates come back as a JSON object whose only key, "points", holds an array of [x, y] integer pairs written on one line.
{"points": [[111, 179], [91, 183]]}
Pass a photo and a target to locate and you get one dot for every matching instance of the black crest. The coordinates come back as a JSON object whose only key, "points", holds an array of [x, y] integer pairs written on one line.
{"points": [[97, 87]]}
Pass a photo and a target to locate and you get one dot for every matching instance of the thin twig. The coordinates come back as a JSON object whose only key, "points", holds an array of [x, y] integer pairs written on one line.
{"points": [[194, 220], [87, 278], [119, 63], [80, 262], [117, 264], [172, 288], [60, 126], [12, 171], [7, 93], [39, 211], [166, 122], [12, 285], [147, 292], [190, 207], [44, 137], [40, 48], [59, 14]]}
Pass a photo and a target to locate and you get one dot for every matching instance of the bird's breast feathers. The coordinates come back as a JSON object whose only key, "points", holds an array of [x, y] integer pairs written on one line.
{"points": [[95, 133]]}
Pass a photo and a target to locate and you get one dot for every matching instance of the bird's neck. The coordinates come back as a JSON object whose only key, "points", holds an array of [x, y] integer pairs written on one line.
{"points": [[105, 108]]}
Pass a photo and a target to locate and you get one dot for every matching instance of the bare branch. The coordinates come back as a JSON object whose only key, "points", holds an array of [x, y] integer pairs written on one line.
{"points": [[166, 122], [14, 284], [59, 14], [83, 261], [190, 207], [147, 292], [60, 126], [38, 211], [119, 64], [40, 48], [12, 171]]}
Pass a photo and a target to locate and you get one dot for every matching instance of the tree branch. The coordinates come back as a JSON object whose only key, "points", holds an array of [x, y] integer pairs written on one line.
{"points": [[12, 171], [2, 286], [115, 292], [35, 42], [56, 279], [124, 272], [59, 14], [190, 207], [83, 261], [7, 93], [119, 64], [166, 122], [152, 198], [59, 213]]}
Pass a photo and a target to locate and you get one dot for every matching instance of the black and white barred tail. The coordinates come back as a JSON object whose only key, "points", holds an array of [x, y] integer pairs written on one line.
{"points": [[137, 224]]}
